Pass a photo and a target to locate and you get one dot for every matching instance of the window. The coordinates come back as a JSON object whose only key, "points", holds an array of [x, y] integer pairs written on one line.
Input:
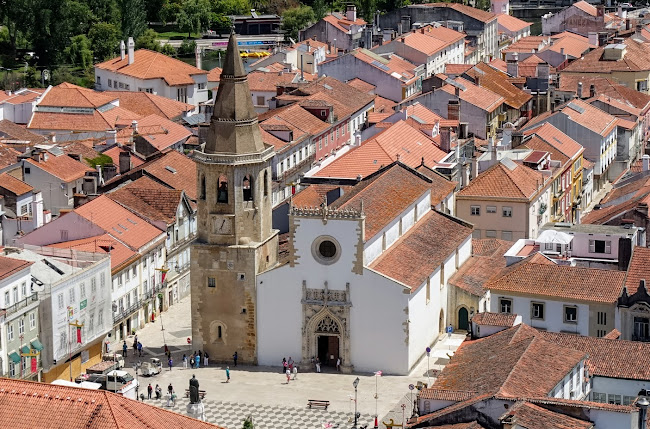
{"points": [[100, 318], [202, 85], [475, 210], [212, 282], [21, 326], [491, 209], [601, 333], [99, 80], [602, 318], [628, 400], [12, 369], [127, 86], [266, 183], [23, 288], [7, 299], [222, 191], [505, 305], [506, 211], [119, 279], [570, 314], [599, 397], [93, 286], [10, 332], [442, 275], [102, 281], [600, 246], [202, 192], [121, 85], [72, 297], [82, 291], [428, 290], [325, 250], [490, 233], [247, 188], [145, 286], [144, 262], [260, 100], [23, 210], [614, 399], [60, 299], [127, 274], [16, 299], [32, 320], [27, 170], [506, 235], [537, 310], [110, 83], [181, 95]]}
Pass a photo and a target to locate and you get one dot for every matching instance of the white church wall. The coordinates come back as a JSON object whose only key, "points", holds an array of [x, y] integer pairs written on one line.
{"points": [[423, 318], [424, 205], [378, 337]]}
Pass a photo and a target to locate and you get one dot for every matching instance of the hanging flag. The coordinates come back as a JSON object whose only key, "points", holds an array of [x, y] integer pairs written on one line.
{"points": [[79, 335], [163, 272], [34, 364], [378, 373]]}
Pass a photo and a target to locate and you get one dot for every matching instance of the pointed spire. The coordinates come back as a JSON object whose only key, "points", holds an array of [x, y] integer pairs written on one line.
{"points": [[233, 65]]}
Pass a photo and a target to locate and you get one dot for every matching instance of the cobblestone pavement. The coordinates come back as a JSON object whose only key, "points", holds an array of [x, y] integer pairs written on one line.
{"points": [[263, 392]]}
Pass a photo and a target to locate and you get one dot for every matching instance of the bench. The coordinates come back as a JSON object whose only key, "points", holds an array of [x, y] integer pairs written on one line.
{"points": [[201, 393], [318, 403]]}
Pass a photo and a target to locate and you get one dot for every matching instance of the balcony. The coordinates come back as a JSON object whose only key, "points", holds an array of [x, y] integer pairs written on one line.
{"points": [[123, 313], [283, 177], [22, 304]]}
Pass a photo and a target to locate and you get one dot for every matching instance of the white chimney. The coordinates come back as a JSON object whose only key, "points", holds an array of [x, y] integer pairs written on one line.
{"points": [[493, 150], [646, 162], [197, 54], [134, 125], [506, 140], [593, 38], [579, 91], [37, 210], [351, 12], [122, 49], [357, 139], [111, 137], [619, 12], [131, 50]]}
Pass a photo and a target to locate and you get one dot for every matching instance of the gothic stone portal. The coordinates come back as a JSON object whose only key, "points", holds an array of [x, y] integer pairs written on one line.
{"points": [[325, 327]]}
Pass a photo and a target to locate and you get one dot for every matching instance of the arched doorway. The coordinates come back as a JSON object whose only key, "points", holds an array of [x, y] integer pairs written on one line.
{"points": [[441, 322], [328, 335], [463, 319]]}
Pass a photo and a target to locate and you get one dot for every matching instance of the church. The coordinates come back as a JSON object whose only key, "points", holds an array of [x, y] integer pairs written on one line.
{"points": [[363, 278]]}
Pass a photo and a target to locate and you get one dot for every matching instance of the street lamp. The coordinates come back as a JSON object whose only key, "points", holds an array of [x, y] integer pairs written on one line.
{"points": [[355, 383]]}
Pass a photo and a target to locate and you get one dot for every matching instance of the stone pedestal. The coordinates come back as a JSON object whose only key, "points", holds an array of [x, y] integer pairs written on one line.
{"points": [[196, 411]]}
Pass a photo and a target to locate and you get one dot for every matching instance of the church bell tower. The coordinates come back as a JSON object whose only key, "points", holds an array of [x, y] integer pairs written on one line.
{"points": [[235, 239]]}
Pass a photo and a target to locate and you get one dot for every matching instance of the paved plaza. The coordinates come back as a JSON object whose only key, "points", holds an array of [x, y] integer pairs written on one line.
{"points": [[263, 392]]}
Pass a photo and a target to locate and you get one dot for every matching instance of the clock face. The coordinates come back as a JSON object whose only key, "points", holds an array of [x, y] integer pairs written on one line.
{"points": [[222, 225]]}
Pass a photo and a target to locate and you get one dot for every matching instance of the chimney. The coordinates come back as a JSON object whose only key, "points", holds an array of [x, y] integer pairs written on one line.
{"points": [[592, 90], [646, 162], [619, 12], [199, 60], [351, 12], [579, 90], [462, 130], [493, 150], [517, 139], [562, 53], [627, 23], [642, 403], [111, 137], [643, 208], [125, 162], [506, 140], [422, 30], [445, 140], [131, 50], [357, 139], [593, 38], [134, 126], [122, 49], [406, 23], [453, 110], [624, 252]]}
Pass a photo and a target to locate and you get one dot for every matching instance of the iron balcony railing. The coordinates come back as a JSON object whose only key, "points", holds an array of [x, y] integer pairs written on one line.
{"points": [[124, 312], [22, 304]]}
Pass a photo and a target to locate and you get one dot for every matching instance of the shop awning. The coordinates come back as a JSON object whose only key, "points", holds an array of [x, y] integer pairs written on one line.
{"points": [[26, 350], [15, 358], [37, 345]]}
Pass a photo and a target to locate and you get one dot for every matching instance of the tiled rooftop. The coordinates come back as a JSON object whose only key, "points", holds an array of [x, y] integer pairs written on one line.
{"points": [[497, 82], [502, 182], [634, 60], [486, 262], [149, 199], [12, 131], [145, 104], [476, 95], [62, 167], [494, 319], [511, 23], [14, 185], [176, 171], [10, 266], [531, 416], [162, 133], [556, 138], [105, 243]]}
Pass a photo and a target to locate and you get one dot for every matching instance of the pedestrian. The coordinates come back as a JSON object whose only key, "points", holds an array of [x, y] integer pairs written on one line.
{"points": [[170, 389], [139, 348], [288, 373], [149, 391], [284, 365], [227, 374], [158, 391], [192, 361], [136, 339], [234, 358], [338, 364], [124, 348], [198, 361], [317, 364], [166, 349], [290, 362], [171, 362], [184, 361], [295, 372], [135, 346], [205, 359]]}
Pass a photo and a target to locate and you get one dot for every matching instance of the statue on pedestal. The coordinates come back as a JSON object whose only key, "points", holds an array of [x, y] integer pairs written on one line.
{"points": [[194, 391]]}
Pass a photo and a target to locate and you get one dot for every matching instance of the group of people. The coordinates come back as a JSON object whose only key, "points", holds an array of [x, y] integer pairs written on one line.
{"points": [[157, 390], [195, 359], [137, 347], [289, 367]]}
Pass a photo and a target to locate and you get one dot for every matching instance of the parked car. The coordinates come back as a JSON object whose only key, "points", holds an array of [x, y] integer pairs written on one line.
{"points": [[151, 368]]}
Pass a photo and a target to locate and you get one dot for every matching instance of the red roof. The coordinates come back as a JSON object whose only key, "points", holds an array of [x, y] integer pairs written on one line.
{"points": [[494, 319], [145, 104], [104, 243], [162, 133], [176, 171], [69, 95], [10, 266], [62, 167], [14, 185], [511, 23]]}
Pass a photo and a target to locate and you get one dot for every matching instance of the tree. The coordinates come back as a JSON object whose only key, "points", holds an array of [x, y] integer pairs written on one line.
{"points": [[194, 16], [230, 7], [133, 18], [170, 10], [52, 28], [148, 40], [295, 19], [154, 9], [248, 423], [187, 47], [168, 49], [13, 16], [320, 9], [104, 39], [220, 23], [79, 52], [105, 10]]}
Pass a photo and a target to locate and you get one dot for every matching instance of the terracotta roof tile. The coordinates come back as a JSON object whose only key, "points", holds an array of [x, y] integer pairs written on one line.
{"points": [[395, 64], [10, 266], [314, 194], [412, 258], [586, 7], [12, 131], [638, 269], [183, 177], [114, 153], [62, 167], [571, 46], [511, 23], [77, 408], [399, 140], [422, 43], [105, 243], [446, 395], [560, 281], [496, 81], [14, 185], [531, 416], [361, 85], [457, 69], [590, 117], [149, 199], [76, 148], [170, 132], [487, 261], [145, 104], [528, 44], [480, 97], [153, 65], [383, 104], [396, 183], [8, 156], [556, 138], [215, 74], [69, 95], [121, 223], [635, 59], [342, 23], [296, 117], [494, 319], [268, 81], [607, 87], [500, 181], [92, 121], [499, 65], [441, 188]]}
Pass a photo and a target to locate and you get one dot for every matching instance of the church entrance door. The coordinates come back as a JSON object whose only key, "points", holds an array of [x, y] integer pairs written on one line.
{"points": [[463, 319], [328, 349]]}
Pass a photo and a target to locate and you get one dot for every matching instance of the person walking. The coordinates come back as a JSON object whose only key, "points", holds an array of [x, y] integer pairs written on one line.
{"points": [[170, 362], [288, 373], [227, 374], [234, 358], [198, 361], [205, 359], [290, 363], [338, 364], [135, 347], [149, 391], [284, 365], [170, 389], [192, 361], [184, 361], [295, 372], [139, 349], [317, 364], [158, 391], [124, 348]]}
